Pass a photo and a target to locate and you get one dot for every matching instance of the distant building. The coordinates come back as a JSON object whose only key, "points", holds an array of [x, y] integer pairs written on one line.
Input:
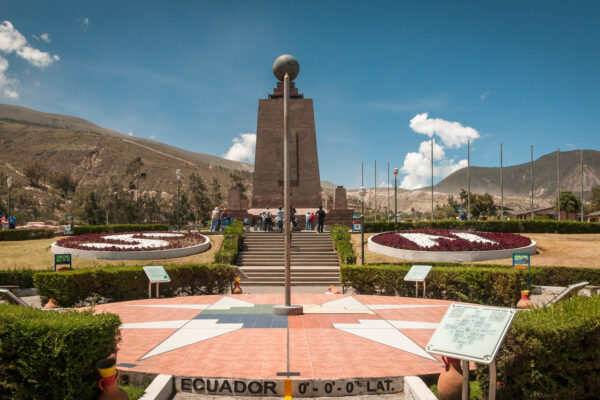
{"points": [[549, 212]]}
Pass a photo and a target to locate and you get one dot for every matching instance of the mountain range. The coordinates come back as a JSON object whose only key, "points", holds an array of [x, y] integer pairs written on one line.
{"points": [[94, 156]]}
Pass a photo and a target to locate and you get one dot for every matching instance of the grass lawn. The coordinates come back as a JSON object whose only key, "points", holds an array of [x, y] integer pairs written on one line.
{"points": [[580, 250], [36, 254]]}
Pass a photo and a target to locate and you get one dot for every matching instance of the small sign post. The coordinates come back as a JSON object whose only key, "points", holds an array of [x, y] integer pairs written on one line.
{"points": [[62, 259], [521, 261], [472, 333], [156, 274], [417, 274], [69, 223], [356, 222]]}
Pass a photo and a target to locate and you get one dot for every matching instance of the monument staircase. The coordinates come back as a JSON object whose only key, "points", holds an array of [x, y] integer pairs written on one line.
{"points": [[313, 262]]}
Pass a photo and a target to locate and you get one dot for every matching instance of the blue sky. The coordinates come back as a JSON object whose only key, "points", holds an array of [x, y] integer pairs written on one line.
{"points": [[190, 74]]}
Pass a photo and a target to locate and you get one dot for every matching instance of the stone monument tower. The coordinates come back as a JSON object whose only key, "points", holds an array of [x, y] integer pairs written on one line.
{"points": [[304, 162]]}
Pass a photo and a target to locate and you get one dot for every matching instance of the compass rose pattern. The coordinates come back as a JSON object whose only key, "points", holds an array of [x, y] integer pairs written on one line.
{"points": [[238, 336]]}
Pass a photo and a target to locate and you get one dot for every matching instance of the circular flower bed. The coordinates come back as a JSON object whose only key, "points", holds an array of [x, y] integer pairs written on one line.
{"points": [[132, 245], [449, 245]]}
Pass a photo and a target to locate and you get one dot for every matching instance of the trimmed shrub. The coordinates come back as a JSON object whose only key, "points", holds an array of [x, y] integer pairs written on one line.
{"points": [[25, 234], [341, 241], [551, 353], [85, 285], [496, 285], [50, 355], [21, 277], [513, 226], [81, 230], [233, 240]]}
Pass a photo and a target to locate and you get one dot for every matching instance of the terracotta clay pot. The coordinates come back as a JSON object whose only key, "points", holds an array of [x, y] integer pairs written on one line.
{"points": [[51, 304], [237, 289], [450, 380], [524, 302], [108, 383]]}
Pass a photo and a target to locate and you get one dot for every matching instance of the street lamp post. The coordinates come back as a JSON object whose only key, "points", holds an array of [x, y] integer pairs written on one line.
{"points": [[361, 193], [178, 174], [9, 184], [395, 194]]}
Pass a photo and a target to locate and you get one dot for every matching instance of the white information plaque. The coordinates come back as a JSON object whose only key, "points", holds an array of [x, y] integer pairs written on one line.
{"points": [[157, 274], [418, 273], [471, 333]]}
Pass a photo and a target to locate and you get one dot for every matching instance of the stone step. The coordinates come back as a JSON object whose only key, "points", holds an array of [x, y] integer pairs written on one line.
{"points": [[294, 279], [293, 253], [263, 263], [293, 283]]}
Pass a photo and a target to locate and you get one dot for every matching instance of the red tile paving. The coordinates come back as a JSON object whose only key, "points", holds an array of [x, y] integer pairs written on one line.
{"points": [[317, 348]]}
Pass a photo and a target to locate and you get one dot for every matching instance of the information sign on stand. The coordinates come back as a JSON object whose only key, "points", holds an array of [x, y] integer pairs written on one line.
{"points": [[156, 274], [472, 333], [62, 259], [521, 261], [417, 274]]}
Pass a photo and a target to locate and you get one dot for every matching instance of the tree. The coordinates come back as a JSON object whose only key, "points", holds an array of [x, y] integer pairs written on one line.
{"points": [[65, 182], [445, 212], [34, 172], [483, 205], [199, 198], [595, 200], [569, 202], [134, 170], [215, 193], [92, 212]]}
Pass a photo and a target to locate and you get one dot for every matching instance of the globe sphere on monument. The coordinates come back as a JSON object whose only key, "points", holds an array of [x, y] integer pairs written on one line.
{"points": [[286, 64]]}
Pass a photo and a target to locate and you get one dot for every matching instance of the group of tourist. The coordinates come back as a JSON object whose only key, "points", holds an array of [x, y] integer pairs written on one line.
{"points": [[8, 223], [267, 220], [217, 217]]}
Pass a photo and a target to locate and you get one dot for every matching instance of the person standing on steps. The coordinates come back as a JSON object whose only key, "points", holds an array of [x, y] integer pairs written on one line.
{"points": [[280, 219], [320, 219], [307, 221]]}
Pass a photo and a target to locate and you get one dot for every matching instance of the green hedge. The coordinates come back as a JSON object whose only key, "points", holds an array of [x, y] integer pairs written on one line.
{"points": [[513, 226], [82, 230], [21, 277], [233, 240], [25, 234], [485, 284], [341, 241], [551, 353], [50, 355], [119, 283]]}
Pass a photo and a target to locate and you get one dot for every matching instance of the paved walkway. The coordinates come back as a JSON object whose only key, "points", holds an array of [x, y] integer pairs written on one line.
{"points": [[339, 336]]}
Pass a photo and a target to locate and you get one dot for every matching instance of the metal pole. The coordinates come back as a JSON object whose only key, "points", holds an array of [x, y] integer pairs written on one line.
{"points": [[178, 224], [388, 195], [558, 182], [8, 203], [362, 235], [286, 189], [362, 174], [492, 389], [531, 180], [395, 198], [469, 179], [432, 216], [465, 383], [375, 206], [501, 185], [582, 209]]}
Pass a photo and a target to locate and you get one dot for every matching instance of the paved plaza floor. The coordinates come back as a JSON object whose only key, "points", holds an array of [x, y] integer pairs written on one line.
{"points": [[339, 336]]}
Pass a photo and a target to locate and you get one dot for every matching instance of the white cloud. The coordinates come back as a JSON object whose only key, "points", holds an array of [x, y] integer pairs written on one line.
{"points": [[130, 133], [36, 57], [45, 37], [417, 165], [484, 95], [242, 148], [7, 85], [452, 134], [12, 41], [84, 23]]}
